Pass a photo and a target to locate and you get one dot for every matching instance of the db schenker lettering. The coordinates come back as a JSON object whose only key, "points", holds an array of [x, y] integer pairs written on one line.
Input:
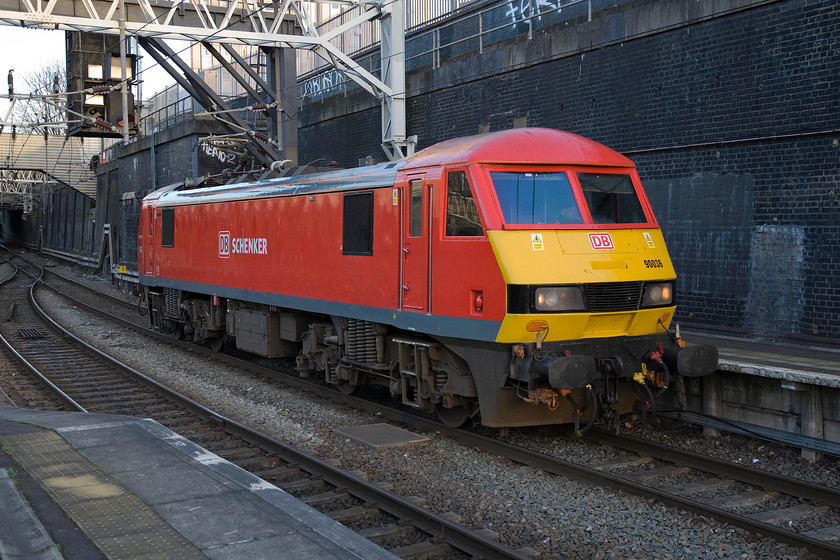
{"points": [[249, 246]]}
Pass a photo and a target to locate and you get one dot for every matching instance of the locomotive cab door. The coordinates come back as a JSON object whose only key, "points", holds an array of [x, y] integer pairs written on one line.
{"points": [[149, 243], [416, 245]]}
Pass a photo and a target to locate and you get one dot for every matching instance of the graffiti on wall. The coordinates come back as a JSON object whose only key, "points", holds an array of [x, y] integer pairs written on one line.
{"points": [[518, 11], [322, 83]]}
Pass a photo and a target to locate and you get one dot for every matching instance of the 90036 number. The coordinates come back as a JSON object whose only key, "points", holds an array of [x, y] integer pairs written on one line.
{"points": [[653, 263]]}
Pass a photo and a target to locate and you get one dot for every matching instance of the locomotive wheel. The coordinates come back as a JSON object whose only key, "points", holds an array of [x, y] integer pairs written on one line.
{"points": [[347, 388], [178, 331], [454, 417], [217, 344]]}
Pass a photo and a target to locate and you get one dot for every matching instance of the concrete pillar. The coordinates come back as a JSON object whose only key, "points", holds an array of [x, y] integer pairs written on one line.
{"points": [[711, 401], [812, 419]]}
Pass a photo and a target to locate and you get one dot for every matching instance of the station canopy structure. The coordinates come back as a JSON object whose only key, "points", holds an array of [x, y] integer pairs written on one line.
{"points": [[272, 26], [30, 163]]}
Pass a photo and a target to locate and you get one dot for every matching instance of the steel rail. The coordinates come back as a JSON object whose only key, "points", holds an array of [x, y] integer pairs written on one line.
{"points": [[51, 387], [743, 473], [572, 470], [458, 536]]}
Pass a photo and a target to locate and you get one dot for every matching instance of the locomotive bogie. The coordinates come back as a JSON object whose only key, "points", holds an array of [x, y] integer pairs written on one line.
{"points": [[518, 278]]}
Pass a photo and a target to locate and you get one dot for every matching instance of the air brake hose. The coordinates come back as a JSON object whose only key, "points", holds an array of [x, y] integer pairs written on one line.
{"points": [[667, 373], [652, 400], [578, 411]]}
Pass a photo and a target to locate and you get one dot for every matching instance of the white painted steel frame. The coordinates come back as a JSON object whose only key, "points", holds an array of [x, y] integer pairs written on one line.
{"points": [[249, 22]]}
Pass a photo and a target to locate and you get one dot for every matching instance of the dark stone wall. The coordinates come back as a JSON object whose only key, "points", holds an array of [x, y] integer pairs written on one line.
{"points": [[755, 235], [68, 218], [729, 110]]}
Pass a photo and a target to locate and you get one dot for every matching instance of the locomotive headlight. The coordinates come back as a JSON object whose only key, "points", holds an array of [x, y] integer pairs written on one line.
{"points": [[565, 298], [658, 294]]}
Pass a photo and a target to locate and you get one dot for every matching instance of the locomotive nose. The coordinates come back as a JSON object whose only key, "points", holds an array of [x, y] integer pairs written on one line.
{"points": [[568, 372]]}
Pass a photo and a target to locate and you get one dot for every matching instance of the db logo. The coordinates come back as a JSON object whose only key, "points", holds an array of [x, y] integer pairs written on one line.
{"points": [[224, 244], [601, 241]]}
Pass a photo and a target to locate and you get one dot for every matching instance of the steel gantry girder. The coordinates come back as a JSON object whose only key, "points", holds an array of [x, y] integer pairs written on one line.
{"points": [[208, 98], [17, 187], [247, 22]]}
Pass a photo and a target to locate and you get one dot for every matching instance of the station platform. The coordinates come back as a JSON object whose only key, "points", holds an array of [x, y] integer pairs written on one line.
{"points": [[793, 363], [76, 485]]}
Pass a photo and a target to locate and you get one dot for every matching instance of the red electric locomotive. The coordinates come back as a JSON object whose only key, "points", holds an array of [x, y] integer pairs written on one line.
{"points": [[510, 276]]}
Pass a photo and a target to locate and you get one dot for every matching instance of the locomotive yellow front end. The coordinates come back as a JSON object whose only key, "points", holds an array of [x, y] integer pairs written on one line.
{"points": [[591, 291], [585, 284]]}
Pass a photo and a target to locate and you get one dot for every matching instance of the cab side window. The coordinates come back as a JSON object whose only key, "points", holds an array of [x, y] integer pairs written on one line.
{"points": [[416, 208], [358, 224], [461, 213], [167, 229]]}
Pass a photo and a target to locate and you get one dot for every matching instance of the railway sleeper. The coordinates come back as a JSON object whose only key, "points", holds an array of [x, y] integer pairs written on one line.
{"points": [[257, 464], [355, 514], [110, 394], [100, 386], [421, 550], [165, 408], [302, 485], [116, 403], [750, 498], [239, 453], [210, 437], [221, 442], [181, 426], [700, 486], [280, 473], [388, 533], [649, 474], [827, 534], [325, 499], [165, 413], [623, 463], [800, 511]]}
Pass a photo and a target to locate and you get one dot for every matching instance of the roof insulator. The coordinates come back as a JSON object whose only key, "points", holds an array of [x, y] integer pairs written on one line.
{"points": [[104, 125]]}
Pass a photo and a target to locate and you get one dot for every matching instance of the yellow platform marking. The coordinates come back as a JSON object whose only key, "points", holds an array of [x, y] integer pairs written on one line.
{"points": [[120, 524]]}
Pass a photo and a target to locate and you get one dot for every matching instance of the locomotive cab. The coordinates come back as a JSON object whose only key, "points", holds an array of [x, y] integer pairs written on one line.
{"points": [[586, 292]]}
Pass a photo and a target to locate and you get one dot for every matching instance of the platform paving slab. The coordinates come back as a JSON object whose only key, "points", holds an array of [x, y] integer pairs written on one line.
{"points": [[136, 486]]}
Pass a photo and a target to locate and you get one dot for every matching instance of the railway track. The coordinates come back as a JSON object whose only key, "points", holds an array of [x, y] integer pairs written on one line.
{"points": [[748, 498], [86, 380]]}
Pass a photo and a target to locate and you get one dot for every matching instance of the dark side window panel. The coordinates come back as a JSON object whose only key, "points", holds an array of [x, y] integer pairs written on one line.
{"points": [[416, 208], [167, 228], [461, 213], [358, 224], [611, 198], [536, 198]]}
